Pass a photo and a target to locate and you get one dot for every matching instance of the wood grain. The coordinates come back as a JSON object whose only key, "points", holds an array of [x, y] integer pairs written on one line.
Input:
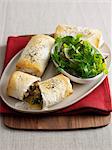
{"points": [[34, 122]]}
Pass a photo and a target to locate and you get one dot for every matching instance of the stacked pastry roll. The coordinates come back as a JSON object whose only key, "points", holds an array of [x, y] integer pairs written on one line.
{"points": [[94, 36], [25, 83]]}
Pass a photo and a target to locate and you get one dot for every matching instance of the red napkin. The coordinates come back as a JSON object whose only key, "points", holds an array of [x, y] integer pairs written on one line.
{"points": [[99, 101]]}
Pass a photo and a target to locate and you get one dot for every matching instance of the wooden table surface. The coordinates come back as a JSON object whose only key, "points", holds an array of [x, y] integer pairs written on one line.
{"points": [[41, 16]]}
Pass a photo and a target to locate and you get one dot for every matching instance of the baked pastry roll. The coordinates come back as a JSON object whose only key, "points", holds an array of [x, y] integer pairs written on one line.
{"points": [[35, 55], [54, 90], [94, 36], [22, 85], [39, 94]]}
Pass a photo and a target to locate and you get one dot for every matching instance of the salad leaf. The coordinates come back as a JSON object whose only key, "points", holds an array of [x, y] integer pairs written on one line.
{"points": [[78, 57]]}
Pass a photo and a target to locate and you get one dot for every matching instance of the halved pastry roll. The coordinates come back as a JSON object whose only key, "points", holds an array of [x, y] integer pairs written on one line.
{"points": [[22, 85], [54, 90], [35, 55], [41, 94], [94, 36]]}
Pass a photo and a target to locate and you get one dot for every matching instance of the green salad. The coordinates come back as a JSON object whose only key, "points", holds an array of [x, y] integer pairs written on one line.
{"points": [[78, 57]]}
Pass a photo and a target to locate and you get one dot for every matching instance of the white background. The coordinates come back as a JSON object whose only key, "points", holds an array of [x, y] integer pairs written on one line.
{"points": [[19, 17]]}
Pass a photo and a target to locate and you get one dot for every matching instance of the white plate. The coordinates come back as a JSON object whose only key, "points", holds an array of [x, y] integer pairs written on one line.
{"points": [[79, 91]]}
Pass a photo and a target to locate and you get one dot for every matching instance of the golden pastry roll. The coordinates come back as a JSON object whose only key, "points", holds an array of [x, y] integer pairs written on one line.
{"points": [[94, 36], [35, 55], [21, 85], [39, 94], [55, 90]]}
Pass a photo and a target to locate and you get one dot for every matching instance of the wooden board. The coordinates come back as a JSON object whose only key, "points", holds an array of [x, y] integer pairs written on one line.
{"points": [[34, 122]]}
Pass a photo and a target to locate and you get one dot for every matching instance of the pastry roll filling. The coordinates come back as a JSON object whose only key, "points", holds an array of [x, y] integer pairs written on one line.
{"points": [[33, 95]]}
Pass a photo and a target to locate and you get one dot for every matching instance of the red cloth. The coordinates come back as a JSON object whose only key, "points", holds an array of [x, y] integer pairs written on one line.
{"points": [[99, 101]]}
